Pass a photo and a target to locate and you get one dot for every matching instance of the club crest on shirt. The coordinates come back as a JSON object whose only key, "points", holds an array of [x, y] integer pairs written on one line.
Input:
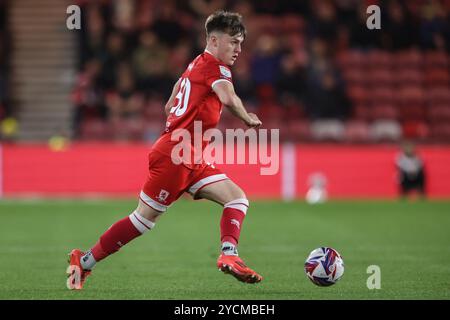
{"points": [[225, 71], [163, 194]]}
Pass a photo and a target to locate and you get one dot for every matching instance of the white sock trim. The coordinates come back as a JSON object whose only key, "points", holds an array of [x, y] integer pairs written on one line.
{"points": [[87, 261], [229, 249], [239, 204], [140, 223]]}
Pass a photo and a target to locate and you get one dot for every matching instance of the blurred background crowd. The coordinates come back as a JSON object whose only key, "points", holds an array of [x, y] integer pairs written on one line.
{"points": [[4, 50], [311, 68]]}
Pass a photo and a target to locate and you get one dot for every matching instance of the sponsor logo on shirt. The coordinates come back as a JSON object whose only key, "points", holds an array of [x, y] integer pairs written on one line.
{"points": [[225, 71]]}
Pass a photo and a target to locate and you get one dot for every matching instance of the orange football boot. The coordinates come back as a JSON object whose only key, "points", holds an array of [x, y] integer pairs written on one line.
{"points": [[76, 275], [236, 267]]}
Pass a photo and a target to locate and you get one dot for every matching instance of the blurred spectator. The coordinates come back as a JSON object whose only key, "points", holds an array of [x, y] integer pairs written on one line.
{"points": [[88, 94], [167, 26], [243, 81], [124, 102], [265, 62], [397, 28], [92, 34], [123, 15], [434, 28], [411, 171], [114, 53], [290, 66], [203, 8], [323, 22], [291, 80], [325, 93], [360, 35], [4, 67], [150, 64]]}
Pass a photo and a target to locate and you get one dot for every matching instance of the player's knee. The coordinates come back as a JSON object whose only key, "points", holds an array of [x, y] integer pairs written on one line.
{"points": [[141, 223], [148, 212], [236, 193]]}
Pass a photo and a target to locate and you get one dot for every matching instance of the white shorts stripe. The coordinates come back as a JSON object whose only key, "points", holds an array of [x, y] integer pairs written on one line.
{"points": [[152, 203], [199, 184]]}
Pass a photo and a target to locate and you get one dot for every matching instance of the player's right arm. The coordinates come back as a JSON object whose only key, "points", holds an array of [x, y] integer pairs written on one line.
{"points": [[226, 94], [171, 102]]}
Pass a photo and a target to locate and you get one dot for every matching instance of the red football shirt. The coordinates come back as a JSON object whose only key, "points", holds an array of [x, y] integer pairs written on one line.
{"points": [[195, 101]]}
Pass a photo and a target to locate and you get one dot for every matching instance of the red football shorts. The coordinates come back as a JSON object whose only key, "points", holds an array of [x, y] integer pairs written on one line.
{"points": [[167, 181]]}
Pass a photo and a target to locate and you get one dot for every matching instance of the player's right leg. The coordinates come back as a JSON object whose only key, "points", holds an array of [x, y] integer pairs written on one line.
{"points": [[159, 191], [119, 234]]}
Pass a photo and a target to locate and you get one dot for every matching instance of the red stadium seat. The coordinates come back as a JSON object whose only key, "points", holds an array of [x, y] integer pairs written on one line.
{"points": [[436, 59], [296, 130], [356, 131], [437, 77], [440, 132], [412, 112], [408, 59], [361, 112], [94, 129], [408, 76], [381, 77], [355, 76], [438, 95], [380, 59], [130, 129], [439, 112], [385, 111], [358, 94], [328, 130], [385, 131], [268, 112], [382, 95], [293, 111], [415, 129], [351, 58], [411, 95]]}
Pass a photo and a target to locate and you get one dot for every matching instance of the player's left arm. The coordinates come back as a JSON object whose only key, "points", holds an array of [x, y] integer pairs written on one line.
{"points": [[170, 102], [226, 94]]}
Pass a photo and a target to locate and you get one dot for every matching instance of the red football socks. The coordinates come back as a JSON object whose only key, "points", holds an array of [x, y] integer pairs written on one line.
{"points": [[119, 234], [231, 222]]}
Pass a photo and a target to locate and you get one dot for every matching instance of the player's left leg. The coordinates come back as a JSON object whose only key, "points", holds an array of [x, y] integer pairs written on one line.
{"points": [[235, 203]]}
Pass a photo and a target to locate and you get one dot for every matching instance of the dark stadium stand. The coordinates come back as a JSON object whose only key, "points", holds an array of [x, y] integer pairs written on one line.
{"points": [[312, 66]]}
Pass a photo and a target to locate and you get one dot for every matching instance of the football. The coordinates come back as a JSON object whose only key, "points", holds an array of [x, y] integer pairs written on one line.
{"points": [[324, 266]]}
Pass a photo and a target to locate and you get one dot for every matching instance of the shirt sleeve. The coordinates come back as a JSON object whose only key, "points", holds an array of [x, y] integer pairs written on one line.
{"points": [[217, 73]]}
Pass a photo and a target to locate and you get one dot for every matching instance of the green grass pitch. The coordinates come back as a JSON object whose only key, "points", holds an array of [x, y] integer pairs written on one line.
{"points": [[409, 241]]}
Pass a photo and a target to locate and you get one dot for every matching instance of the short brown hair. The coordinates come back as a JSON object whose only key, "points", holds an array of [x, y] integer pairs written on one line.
{"points": [[227, 22]]}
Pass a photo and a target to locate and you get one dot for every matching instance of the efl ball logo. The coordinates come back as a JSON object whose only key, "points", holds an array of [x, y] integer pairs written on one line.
{"points": [[324, 266]]}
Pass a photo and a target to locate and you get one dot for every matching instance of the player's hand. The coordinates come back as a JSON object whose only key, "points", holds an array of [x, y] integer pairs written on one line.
{"points": [[253, 122]]}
